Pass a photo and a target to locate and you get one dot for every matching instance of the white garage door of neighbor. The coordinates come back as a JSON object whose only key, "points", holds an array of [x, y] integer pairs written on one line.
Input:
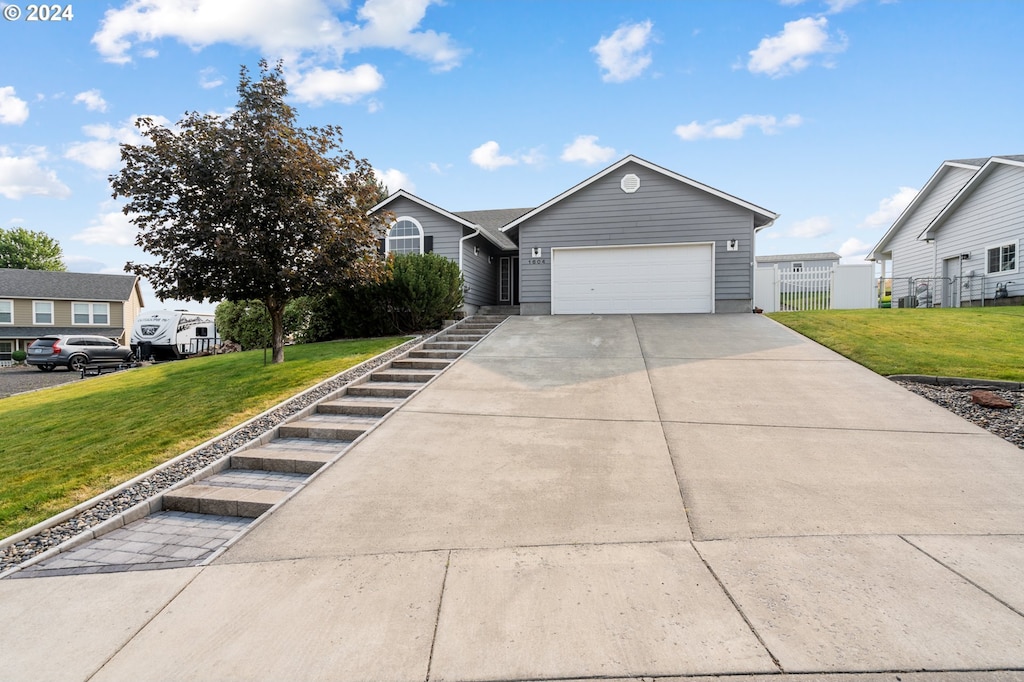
{"points": [[662, 278]]}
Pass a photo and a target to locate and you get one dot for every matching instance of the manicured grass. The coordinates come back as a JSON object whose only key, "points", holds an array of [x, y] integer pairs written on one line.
{"points": [[979, 343], [66, 444]]}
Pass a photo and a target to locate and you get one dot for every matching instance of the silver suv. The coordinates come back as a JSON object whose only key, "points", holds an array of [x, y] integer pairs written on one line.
{"points": [[76, 352]]}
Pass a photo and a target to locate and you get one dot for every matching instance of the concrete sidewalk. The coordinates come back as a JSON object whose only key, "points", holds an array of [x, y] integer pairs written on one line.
{"points": [[587, 497]]}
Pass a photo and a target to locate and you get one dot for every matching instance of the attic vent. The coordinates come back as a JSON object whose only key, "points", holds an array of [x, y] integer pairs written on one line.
{"points": [[630, 183]]}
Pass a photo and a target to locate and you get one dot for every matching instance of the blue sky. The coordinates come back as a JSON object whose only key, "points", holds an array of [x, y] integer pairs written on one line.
{"points": [[832, 113]]}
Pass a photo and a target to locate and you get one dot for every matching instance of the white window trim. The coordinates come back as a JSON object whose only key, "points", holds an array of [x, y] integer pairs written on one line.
{"points": [[797, 266], [387, 238], [11, 303], [1016, 258], [92, 314], [35, 313]]}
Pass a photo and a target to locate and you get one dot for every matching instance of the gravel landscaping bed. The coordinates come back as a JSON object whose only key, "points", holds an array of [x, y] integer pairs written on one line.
{"points": [[1008, 424], [161, 480]]}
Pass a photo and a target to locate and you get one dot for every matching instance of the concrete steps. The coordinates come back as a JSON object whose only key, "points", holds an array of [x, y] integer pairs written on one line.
{"points": [[252, 481]]}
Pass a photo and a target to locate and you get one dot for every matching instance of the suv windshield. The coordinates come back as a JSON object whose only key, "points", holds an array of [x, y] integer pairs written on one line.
{"points": [[44, 342]]}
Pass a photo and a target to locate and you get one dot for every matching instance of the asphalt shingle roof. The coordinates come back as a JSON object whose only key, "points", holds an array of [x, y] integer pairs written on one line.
{"points": [[492, 221], [77, 286], [784, 257]]}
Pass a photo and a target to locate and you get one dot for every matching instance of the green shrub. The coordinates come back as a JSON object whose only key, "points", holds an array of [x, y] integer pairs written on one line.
{"points": [[424, 290], [19, 356], [248, 322], [416, 292]]}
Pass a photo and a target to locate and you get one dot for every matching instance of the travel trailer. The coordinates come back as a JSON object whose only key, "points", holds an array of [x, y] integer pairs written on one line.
{"points": [[173, 334]]}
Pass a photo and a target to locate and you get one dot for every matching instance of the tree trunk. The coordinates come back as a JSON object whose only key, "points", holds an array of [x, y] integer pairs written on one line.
{"points": [[276, 310]]}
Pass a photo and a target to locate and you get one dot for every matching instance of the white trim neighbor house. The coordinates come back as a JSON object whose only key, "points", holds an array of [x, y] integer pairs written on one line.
{"points": [[959, 241], [633, 238], [35, 303]]}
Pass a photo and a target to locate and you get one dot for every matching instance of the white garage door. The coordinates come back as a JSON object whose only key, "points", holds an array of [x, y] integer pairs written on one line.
{"points": [[662, 278]]}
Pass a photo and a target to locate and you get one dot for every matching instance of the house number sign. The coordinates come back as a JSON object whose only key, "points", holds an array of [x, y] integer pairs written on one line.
{"points": [[538, 261]]}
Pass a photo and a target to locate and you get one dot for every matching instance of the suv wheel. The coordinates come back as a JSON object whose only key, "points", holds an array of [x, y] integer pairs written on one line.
{"points": [[77, 363]]}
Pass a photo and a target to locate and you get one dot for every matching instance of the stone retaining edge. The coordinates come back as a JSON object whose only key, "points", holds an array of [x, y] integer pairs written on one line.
{"points": [[957, 381]]}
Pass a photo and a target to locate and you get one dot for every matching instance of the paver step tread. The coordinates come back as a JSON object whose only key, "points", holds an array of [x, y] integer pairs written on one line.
{"points": [[281, 460], [222, 501]]}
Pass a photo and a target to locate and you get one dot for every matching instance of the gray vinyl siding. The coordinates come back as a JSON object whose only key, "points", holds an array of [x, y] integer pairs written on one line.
{"points": [[446, 232], [480, 271], [912, 257], [662, 211], [993, 215]]}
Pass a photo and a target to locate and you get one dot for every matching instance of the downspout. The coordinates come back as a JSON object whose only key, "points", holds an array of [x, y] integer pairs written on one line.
{"points": [[461, 242]]}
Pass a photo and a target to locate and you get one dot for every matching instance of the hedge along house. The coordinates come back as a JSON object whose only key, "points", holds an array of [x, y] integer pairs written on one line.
{"points": [[634, 238]]}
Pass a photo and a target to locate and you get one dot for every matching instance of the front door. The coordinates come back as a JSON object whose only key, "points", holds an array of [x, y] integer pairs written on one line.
{"points": [[951, 282], [508, 280]]}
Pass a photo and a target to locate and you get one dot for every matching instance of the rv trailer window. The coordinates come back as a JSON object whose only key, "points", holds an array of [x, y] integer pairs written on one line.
{"points": [[200, 331]]}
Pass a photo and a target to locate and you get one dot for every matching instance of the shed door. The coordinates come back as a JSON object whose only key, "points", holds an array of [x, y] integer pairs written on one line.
{"points": [[661, 278]]}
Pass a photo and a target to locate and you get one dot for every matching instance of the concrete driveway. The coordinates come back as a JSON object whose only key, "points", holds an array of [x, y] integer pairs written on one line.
{"points": [[597, 497]]}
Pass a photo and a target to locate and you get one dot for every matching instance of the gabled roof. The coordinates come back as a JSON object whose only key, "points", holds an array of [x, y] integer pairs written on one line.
{"points": [[879, 249], [966, 190], [786, 257], [762, 217], [490, 232], [74, 286]]}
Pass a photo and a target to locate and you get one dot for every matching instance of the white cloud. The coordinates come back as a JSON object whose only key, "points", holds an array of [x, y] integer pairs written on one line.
{"points": [[210, 78], [85, 264], [103, 152], [791, 50], [13, 111], [809, 228], [22, 176], [276, 28], [92, 99], [837, 6], [890, 208], [395, 180], [769, 125], [586, 150], [109, 229], [488, 156], [854, 250], [621, 55], [320, 85]]}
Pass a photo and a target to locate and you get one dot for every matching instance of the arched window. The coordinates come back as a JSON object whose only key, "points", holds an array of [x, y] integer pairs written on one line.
{"points": [[405, 236]]}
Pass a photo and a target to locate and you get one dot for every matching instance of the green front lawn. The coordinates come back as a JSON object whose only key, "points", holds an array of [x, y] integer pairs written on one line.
{"points": [[63, 445], [979, 343]]}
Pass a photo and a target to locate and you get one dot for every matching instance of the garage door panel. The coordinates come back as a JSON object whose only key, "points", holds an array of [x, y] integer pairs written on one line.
{"points": [[668, 278]]}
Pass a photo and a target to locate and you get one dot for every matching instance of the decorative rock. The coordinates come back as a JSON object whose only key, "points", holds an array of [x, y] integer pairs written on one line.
{"points": [[989, 399]]}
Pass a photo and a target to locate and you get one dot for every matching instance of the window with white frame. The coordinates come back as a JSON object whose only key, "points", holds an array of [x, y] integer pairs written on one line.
{"points": [[797, 266], [90, 313], [6, 348], [6, 312], [42, 312], [406, 236], [1001, 259]]}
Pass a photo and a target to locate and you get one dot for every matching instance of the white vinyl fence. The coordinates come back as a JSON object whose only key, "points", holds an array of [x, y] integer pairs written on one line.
{"points": [[840, 287]]}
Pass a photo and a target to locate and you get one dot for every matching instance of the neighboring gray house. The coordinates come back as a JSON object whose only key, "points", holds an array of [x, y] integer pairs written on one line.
{"points": [[798, 262], [35, 303], [634, 238], [958, 243]]}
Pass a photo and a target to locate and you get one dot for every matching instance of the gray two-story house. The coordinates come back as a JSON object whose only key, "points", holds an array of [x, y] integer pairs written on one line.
{"points": [[634, 238]]}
